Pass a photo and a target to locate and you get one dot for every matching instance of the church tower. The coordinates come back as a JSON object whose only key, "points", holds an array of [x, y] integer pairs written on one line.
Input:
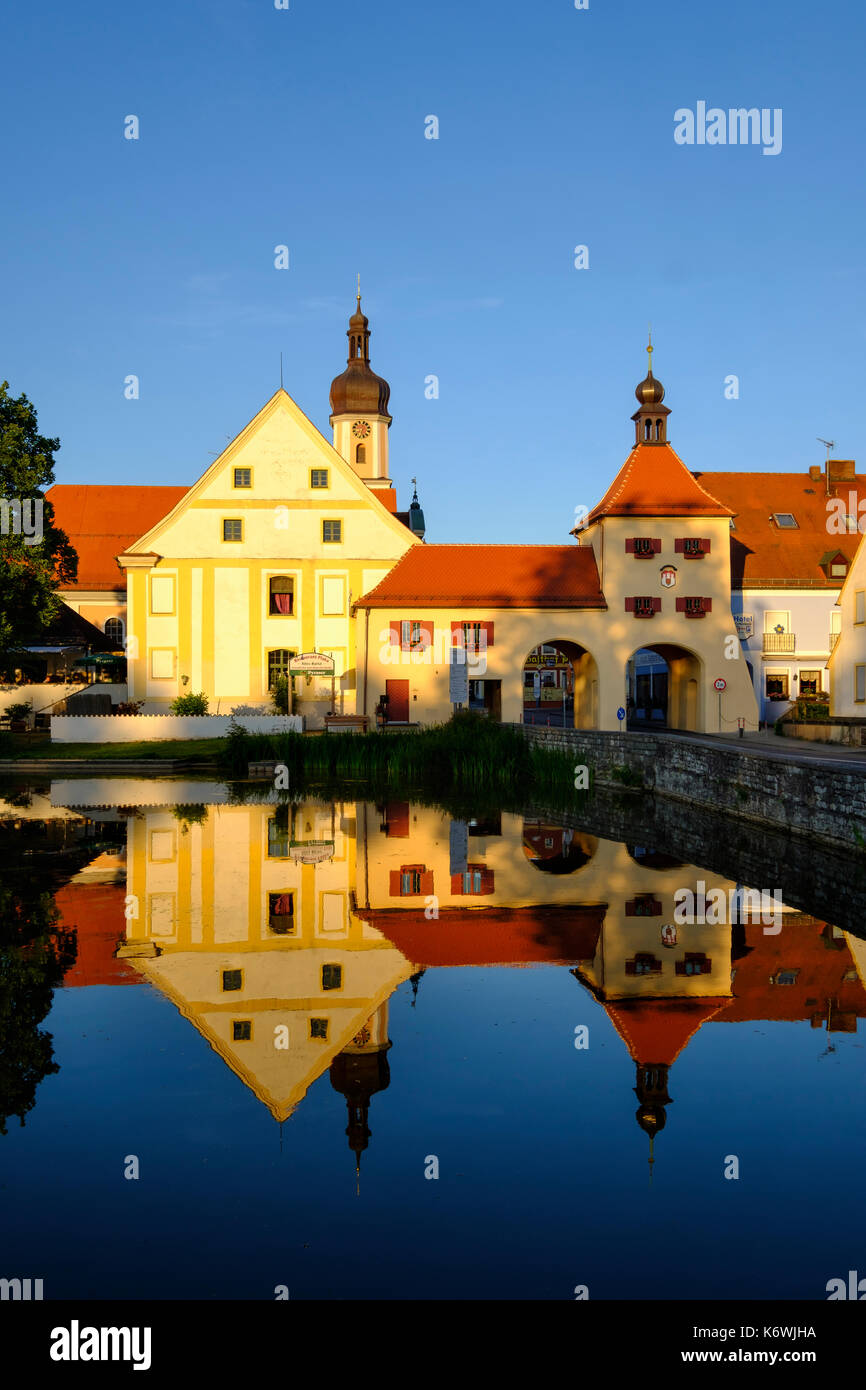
{"points": [[359, 408]]}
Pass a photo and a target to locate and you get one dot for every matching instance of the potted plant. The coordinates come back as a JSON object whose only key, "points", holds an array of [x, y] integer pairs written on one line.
{"points": [[19, 716]]}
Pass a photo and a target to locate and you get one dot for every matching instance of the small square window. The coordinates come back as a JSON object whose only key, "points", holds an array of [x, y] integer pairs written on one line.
{"points": [[859, 684], [839, 570], [786, 521], [318, 477], [233, 530], [786, 977], [332, 976], [242, 1030], [777, 686], [233, 979], [332, 532], [860, 606], [243, 477], [319, 1028]]}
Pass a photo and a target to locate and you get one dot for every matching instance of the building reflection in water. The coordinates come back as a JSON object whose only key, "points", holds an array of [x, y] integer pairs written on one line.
{"points": [[280, 932]]}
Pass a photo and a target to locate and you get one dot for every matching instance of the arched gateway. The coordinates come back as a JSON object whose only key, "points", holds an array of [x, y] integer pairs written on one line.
{"points": [[560, 686]]}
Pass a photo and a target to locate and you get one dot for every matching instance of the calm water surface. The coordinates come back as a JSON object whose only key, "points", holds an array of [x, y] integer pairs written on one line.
{"points": [[289, 1018]]}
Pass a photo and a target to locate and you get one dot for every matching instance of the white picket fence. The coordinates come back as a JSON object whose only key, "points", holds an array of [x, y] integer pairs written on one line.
{"points": [[139, 728]]}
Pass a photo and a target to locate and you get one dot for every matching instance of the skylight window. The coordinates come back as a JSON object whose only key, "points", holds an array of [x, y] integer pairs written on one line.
{"points": [[786, 521]]}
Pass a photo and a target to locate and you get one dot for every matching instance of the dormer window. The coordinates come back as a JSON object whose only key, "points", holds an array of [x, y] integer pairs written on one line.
{"points": [[786, 521], [834, 564]]}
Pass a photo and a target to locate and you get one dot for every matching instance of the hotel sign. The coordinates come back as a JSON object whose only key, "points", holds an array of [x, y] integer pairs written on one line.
{"points": [[745, 625]]}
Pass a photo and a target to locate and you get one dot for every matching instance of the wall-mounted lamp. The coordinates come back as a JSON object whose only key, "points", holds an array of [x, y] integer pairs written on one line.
{"points": [[184, 680]]}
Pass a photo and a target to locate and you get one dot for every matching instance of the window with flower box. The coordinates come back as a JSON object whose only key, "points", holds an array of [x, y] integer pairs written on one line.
{"points": [[411, 881], [695, 963], [643, 606], [643, 964], [692, 547], [643, 546], [694, 607], [472, 637]]}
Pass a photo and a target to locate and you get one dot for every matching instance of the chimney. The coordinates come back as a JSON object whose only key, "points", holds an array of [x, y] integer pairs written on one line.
{"points": [[815, 472], [841, 470]]}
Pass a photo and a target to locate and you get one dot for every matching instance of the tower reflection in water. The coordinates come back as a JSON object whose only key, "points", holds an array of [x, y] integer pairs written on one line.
{"points": [[280, 932]]}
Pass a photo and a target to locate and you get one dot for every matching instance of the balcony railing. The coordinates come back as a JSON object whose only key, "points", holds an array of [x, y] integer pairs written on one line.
{"points": [[780, 642]]}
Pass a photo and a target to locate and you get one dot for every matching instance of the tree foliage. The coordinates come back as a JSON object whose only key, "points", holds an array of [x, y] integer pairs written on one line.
{"points": [[31, 572]]}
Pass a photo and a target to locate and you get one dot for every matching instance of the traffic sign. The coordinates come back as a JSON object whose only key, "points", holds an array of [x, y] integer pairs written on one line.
{"points": [[620, 714], [720, 683]]}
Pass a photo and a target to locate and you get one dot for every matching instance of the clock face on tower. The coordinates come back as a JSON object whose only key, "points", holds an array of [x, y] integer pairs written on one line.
{"points": [[360, 429]]}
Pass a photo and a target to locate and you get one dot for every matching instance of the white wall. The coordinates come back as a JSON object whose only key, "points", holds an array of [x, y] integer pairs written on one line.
{"points": [[42, 696], [136, 728]]}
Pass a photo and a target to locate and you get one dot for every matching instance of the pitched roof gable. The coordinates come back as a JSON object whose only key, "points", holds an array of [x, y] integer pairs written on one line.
{"points": [[654, 481], [279, 401]]}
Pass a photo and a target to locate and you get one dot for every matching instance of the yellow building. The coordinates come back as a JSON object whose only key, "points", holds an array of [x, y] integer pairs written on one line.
{"points": [[265, 556]]}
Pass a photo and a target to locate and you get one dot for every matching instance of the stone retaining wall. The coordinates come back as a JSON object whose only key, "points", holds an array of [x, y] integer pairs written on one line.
{"points": [[810, 798]]}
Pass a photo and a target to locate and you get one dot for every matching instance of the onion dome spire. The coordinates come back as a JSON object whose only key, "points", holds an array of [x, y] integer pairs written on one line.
{"points": [[651, 416], [358, 390]]}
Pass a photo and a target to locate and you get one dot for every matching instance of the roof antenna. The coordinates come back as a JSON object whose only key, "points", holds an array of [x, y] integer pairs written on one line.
{"points": [[828, 445]]}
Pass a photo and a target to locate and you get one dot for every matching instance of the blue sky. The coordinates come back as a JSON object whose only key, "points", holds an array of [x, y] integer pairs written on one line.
{"points": [[305, 127]]}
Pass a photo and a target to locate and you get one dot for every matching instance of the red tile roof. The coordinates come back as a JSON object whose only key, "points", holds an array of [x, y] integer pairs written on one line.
{"points": [[657, 1030], [97, 910], [493, 935], [102, 522], [765, 556], [491, 576], [654, 481]]}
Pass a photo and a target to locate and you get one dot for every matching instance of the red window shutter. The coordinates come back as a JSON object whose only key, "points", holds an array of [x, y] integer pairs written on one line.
{"points": [[629, 605], [394, 883], [705, 545], [655, 909], [456, 885], [427, 635], [630, 910], [630, 967], [487, 880], [679, 546], [657, 605], [395, 629], [657, 546], [680, 968], [707, 605], [427, 884], [681, 605], [629, 546], [397, 819], [488, 629]]}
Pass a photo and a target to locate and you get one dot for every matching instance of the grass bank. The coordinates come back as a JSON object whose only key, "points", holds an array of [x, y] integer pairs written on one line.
{"points": [[468, 756], [201, 750]]}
